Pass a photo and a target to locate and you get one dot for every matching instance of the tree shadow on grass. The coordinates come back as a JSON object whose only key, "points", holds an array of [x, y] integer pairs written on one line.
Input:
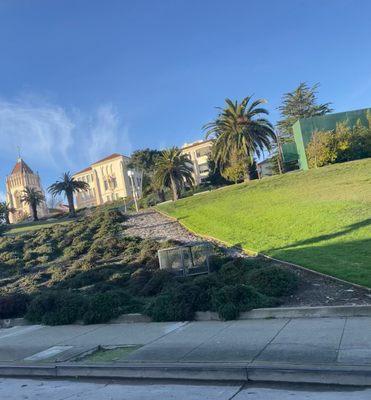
{"points": [[348, 260], [321, 238]]}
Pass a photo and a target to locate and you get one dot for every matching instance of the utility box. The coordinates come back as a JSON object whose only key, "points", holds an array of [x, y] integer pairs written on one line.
{"points": [[186, 260]]}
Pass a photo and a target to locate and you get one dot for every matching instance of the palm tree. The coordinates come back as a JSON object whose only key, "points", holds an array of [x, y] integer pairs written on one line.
{"points": [[174, 170], [33, 197], [240, 129], [5, 210], [68, 185]]}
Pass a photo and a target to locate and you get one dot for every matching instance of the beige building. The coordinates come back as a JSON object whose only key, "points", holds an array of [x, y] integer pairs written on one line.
{"points": [[21, 177], [198, 153], [108, 180]]}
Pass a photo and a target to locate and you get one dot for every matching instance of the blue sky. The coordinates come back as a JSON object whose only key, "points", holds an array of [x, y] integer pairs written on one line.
{"points": [[80, 79]]}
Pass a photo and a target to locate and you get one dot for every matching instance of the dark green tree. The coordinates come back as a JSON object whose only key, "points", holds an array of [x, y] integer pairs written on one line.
{"points": [[302, 102], [5, 211], [145, 160]]}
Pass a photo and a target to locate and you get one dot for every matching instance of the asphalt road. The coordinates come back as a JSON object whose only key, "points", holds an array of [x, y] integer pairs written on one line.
{"points": [[22, 389]]}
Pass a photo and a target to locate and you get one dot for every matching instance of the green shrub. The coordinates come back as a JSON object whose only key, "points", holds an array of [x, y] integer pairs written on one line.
{"points": [[102, 307], [217, 261], [13, 305], [206, 284], [231, 274], [228, 311], [56, 308], [139, 279], [274, 281], [243, 297], [86, 278], [177, 304], [157, 283]]}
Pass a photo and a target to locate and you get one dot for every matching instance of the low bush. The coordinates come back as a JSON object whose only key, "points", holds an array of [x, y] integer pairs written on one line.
{"points": [[157, 283], [274, 281], [139, 279], [231, 274], [206, 284], [102, 307], [13, 305], [56, 308], [228, 311], [177, 304], [243, 297]]}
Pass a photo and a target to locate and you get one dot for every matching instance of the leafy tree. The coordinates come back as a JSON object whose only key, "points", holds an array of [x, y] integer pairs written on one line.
{"points": [[174, 170], [339, 145], [145, 160], [240, 129], [5, 210], [300, 103], [33, 198], [215, 177], [68, 186]]}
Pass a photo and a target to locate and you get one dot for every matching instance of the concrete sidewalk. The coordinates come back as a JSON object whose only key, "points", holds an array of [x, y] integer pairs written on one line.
{"points": [[323, 342]]}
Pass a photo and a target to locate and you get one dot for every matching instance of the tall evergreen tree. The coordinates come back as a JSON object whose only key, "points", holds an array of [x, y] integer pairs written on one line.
{"points": [[300, 103]]}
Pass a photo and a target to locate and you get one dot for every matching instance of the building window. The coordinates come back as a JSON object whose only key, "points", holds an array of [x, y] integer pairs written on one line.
{"points": [[202, 152], [105, 185], [203, 168]]}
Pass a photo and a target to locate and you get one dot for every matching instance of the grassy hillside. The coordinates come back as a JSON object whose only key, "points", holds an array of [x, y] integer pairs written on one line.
{"points": [[320, 219]]}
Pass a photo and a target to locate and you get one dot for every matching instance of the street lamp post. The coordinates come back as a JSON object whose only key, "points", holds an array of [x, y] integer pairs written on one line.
{"points": [[131, 176]]}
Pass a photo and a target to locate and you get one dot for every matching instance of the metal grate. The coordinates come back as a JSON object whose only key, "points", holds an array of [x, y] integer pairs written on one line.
{"points": [[186, 260]]}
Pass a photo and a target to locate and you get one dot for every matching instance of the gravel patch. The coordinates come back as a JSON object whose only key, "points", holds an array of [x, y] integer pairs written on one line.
{"points": [[314, 289]]}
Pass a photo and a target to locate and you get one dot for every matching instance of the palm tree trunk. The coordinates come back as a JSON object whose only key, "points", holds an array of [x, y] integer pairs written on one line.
{"points": [[71, 206], [34, 212], [174, 188], [7, 220], [161, 195]]}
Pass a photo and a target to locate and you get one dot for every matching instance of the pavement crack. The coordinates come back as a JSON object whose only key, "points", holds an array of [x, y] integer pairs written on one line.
{"points": [[274, 337], [341, 340], [240, 389], [206, 340], [79, 335]]}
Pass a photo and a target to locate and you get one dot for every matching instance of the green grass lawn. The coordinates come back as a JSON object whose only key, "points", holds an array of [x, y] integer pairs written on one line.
{"points": [[34, 226], [320, 219]]}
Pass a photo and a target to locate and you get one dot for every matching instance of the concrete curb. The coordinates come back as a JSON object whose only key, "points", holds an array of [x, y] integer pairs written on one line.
{"points": [[258, 313], [11, 322], [333, 374], [294, 312]]}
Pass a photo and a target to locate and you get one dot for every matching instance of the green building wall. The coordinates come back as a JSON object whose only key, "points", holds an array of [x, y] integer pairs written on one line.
{"points": [[303, 129]]}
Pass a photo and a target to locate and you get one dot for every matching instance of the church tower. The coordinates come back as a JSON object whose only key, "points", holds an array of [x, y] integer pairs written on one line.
{"points": [[21, 177]]}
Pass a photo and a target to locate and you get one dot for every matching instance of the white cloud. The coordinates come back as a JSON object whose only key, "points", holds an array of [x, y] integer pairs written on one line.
{"points": [[105, 135], [42, 131], [52, 137]]}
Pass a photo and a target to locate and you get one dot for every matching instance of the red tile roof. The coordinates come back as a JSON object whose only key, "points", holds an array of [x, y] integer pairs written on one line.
{"points": [[114, 155], [21, 167], [84, 170]]}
